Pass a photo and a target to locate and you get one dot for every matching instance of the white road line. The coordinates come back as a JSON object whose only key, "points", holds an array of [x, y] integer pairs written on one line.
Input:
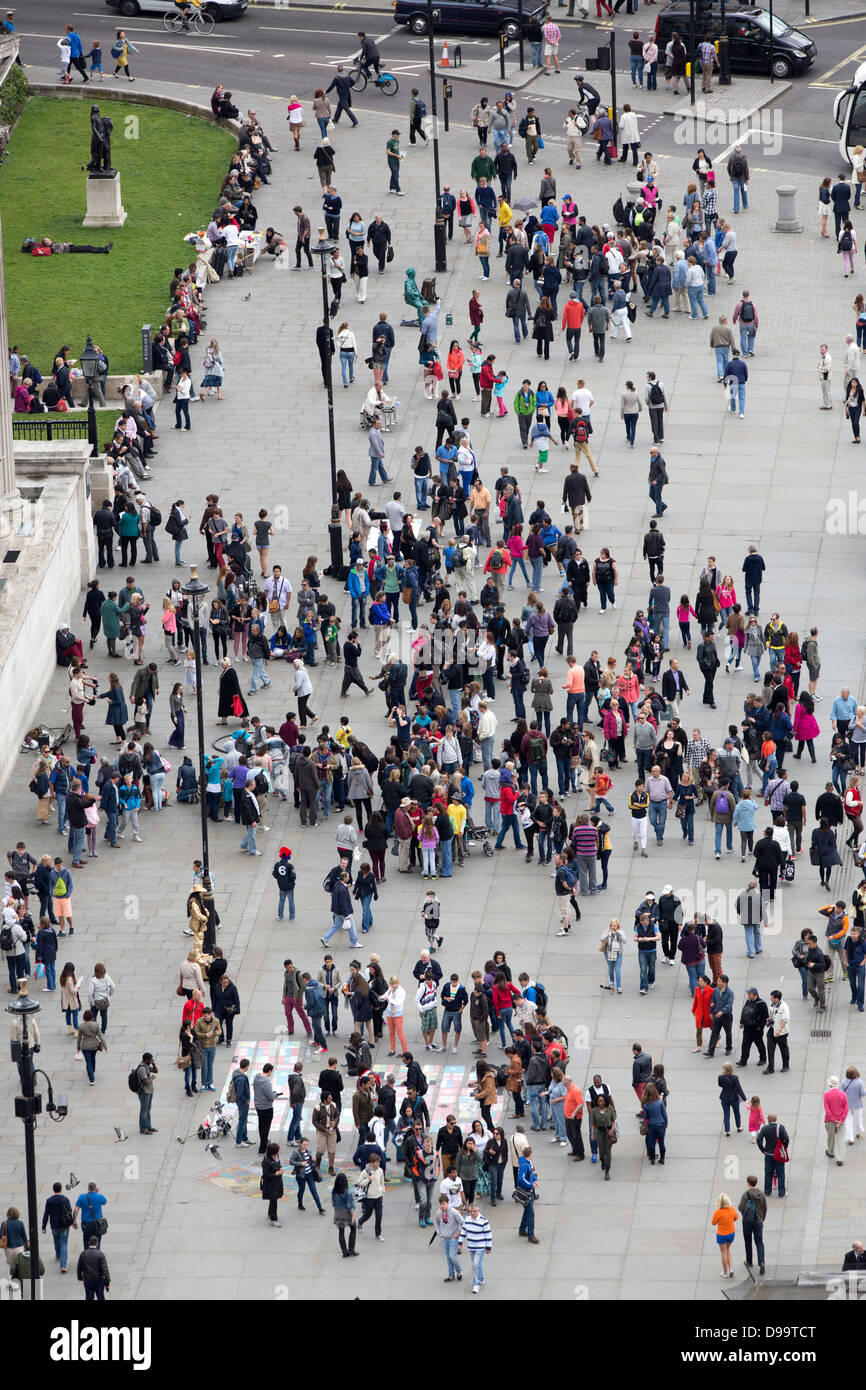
{"points": [[186, 47], [756, 130]]}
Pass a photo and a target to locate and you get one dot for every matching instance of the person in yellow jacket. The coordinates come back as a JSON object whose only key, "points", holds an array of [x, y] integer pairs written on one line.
{"points": [[837, 930], [505, 217]]}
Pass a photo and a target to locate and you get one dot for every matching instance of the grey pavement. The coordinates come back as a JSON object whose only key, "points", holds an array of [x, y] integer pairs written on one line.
{"points": [[766, 479]]}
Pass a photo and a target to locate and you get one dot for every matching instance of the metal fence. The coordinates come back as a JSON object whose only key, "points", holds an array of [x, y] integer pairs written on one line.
{"points": [[36, 427]]}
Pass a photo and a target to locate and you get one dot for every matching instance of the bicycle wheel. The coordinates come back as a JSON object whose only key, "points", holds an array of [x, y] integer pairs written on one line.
{"points": [[388, 84], [359, 80], [204, 22], [173, 21]]}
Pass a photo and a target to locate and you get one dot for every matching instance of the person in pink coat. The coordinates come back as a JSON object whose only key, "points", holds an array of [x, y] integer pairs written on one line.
{"points": [[614, 730], [806, 728], [835, 1113]]}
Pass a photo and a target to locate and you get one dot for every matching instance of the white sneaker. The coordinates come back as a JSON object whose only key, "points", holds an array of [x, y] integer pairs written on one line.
{"points": [[476, 1288], [382, 1237], [454, 1049]]}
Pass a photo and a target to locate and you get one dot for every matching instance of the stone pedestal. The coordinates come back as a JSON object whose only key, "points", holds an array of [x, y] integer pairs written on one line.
{"points": [[787, 220], [104, 208]]}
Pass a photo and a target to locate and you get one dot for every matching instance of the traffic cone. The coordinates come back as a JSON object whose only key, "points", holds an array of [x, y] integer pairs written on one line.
{"points": [[445, 61]]}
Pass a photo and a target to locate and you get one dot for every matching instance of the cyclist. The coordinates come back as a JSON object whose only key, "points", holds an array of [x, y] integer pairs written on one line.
{"points": [[186, 8], [369, 56]]}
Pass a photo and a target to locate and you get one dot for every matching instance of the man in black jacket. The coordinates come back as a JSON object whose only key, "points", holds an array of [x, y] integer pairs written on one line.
{"points": [[343, 85], [576, 494], [769, 1136], [591, 683], [708, 661], [654, 549], [670, 916], [855, 1258], [516, 261], [517, 309], [379, 237], [753, 1021], [641, 1069], [829, 806], [105, 524], [674, 686], [93, 1271], [565, 615], [506, 170]]}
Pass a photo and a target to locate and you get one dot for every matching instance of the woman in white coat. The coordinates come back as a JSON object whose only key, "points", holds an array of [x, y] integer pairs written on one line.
{"points": [[303, 688], [395, 1003]]}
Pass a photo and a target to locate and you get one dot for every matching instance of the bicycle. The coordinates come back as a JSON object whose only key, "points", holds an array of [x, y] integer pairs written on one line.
{"points": [[193, 18], [386, 82]]}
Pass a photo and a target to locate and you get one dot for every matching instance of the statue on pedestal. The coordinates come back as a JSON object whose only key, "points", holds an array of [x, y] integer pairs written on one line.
{"points": [[100, 145]]}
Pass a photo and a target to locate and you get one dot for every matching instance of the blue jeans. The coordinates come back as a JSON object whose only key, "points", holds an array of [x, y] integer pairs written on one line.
{"points": [[359, 610], [338, 926], [190, 1076], [506, 822], [501, 136], [740, 192], [207, 1056], [688, 823], [527, 1221], [492, 815], [856, 981], [658, 814], [241, 1126], [753, 596], [76, 842], [518, 323], [772, 1168], [537, 572], [607, 594], [538, 1106], [90, 1064], [536, 63], [347, 366], [258, 675], [420, 492], [306, 1180], [729, 838], [756, 666], [286, 895], [753, 940], [747, 337], [696, 298], [736, 395], [50, 980], [536, 769], [655, 492], [558, 1113], [614, 971], [563, 765], [637, 64], [145, 1101], [446, 849], [394, 168], [505, 1022], [477, 1266], [518, 560], [62, 823], [377, 469], [711, 278], [249, 840], [366, 914], [693, 971], [485, 265], [651, 76], [630, 421], [294, 1129], [661, 299], [754, 1230], [449, 1246], [61, 1241], [655, 1134], [662, 623], [722, 355], [647, 962]]}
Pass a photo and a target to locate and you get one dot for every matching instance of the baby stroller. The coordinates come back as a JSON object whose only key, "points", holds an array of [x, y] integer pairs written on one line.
{"points": [[239, 563], [477, 835]]}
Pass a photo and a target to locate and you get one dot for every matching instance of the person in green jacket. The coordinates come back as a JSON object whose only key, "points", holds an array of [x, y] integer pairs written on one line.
{"points": [[129, 532], [110, 613], [482, 167], [524, 409], [392, 585]]}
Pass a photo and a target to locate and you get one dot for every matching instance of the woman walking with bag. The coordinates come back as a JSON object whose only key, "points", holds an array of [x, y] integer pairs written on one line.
{"points": [[271, 1181], [89, 1040], [603, 1130], [343, 1203]]}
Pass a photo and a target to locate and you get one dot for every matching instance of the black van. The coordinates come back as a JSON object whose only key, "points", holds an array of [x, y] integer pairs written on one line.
{"points": [[748, 29], [489, 17]]}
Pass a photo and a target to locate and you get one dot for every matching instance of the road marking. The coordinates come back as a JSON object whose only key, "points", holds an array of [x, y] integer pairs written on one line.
{"points": [[756, 130], [188, 47], [299, 29], [855, 58], [827, 23]]}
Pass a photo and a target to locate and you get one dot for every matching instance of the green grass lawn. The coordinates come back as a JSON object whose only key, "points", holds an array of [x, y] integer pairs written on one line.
{"points": [[170, 178]]}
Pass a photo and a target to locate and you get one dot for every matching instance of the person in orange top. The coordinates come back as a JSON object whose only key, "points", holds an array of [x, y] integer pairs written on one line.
{"points": [[575, 688], [572, 322], [701, 1010], [573, 1106], [725, 1219], [454, 366]]}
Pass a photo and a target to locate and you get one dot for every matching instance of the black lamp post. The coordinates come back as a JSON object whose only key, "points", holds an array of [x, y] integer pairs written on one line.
{"points": [[323, 249], [438, 220], [724, 51], [194, 590], [90, 366], [27, 1106]]}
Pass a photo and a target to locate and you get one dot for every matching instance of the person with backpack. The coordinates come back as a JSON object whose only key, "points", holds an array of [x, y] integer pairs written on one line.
{"points": [[62, 886], [286, 877], [140, 1082], [59, 1214], [746, 315], [657, 407], [753, 1209], [738, 173], [239, 1094]]}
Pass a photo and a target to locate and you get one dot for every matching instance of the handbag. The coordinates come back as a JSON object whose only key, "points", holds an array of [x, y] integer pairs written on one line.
{"points": [[237, 706], [788, 870], [99, 1222], [643, 1126], [180, 990], [680, 813], [814, 857], [389, 255], [3, 1237]]}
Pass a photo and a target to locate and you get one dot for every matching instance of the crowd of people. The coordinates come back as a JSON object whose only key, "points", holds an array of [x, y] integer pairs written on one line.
{"points": [[445, 781]]}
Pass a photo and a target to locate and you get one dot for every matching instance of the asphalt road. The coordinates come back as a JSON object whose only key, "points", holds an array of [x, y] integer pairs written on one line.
{"points": [[276, 53]]}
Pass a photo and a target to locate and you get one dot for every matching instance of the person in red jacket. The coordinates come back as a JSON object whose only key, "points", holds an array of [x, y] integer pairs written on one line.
{"points": [[476, 315], [507, 799], [487, 380], [572, 321]]}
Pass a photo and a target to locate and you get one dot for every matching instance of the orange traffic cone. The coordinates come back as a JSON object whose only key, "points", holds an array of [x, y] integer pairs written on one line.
{"points": [[445, 61]]}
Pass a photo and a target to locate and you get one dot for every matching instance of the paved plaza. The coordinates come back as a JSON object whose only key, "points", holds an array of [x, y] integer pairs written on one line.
{"points": [[175, 1209]]}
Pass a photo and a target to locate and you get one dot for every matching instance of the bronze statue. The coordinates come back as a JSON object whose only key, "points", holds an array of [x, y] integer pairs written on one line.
{"points": [[100, 143]]}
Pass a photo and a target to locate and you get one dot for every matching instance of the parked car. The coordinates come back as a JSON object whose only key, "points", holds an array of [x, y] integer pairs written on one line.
{"points": [[748, 30], [219, 9], [468, 16]]}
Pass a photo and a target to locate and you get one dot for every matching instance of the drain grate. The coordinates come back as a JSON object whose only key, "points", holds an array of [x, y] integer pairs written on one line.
{"points": [[821, 1033]]}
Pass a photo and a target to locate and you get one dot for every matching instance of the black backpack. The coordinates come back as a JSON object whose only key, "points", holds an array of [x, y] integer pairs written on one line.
{"points": [[656, 394], [133, 1081], [155, 515], [747, 311], [6, 939], [540, 997], [845, 243]]}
